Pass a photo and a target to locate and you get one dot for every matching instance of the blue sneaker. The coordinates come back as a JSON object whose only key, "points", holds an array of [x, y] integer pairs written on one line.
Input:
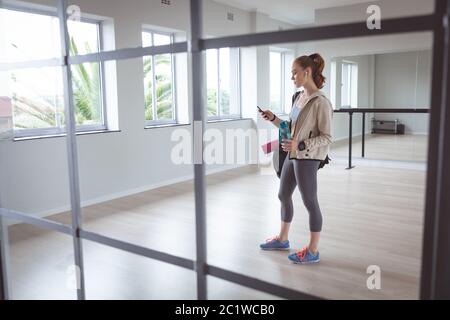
{"points": [[304, 256], [275, 244]]}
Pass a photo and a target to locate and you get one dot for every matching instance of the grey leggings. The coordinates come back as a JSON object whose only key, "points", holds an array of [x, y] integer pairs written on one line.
{"points": [[301, 173]]}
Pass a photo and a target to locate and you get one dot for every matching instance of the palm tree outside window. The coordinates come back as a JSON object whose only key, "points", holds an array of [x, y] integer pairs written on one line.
{"points": [[223, 83], [36, 94], [159, 84]]}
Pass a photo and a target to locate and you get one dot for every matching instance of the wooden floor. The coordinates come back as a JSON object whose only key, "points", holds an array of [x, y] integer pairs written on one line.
{"points": [[372, 216], [386, 147]]}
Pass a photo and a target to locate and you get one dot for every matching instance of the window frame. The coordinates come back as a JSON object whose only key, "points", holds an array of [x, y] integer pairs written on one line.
{"points": [[283, 53], [219, 116], [155, 121], [42, 132], [350, 65]]}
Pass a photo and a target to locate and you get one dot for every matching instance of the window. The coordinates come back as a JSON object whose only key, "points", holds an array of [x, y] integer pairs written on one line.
{"points": [[276, 82], [159, 88], [333, 71], [349, 94], [281, 88], [87, 79], [222, 77], [36, 94]]}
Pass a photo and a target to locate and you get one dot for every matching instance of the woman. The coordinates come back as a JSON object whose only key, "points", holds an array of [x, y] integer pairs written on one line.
{"points": [[310, 123]]}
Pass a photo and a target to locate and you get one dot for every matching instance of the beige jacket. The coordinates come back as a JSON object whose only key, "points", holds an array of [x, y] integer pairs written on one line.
{"points": [[313, 126]]}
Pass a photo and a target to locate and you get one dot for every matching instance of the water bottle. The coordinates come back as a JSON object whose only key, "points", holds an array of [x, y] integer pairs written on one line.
{"points": [[284, 132]]}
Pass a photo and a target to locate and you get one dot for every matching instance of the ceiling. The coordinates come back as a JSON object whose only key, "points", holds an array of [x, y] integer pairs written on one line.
{"points": [[292, 11]]}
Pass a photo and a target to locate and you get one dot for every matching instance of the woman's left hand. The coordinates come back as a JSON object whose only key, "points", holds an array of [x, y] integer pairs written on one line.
{"points": [[289, 145]]}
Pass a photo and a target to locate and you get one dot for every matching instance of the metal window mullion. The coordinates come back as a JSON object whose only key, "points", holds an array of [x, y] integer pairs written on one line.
{"points": [[102, 77], [283, 74], [259, 285], [129, 53], [35, 221], [443, 241], [239, 79], [40, 63], [350, 80], [349, 84], [219, 112], [390, 26], [72, 151], [154, 82], [235, 96], [5, 289], [119, 54], [138, 250], [198, 98], [174, 80], [434, 280], [340, 31]]}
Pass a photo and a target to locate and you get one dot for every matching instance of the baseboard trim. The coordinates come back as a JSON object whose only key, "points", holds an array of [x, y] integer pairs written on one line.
{"points": [[126, 193]]}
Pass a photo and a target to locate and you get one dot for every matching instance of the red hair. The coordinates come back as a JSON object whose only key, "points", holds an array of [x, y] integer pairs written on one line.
{"points": [[316, 62]]}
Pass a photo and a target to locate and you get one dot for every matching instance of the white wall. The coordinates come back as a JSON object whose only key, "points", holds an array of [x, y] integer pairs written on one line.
{"points": [[33, 173], [403, 80]]}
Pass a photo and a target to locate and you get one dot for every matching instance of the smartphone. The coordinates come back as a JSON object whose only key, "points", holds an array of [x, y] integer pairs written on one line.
{"points": [[260, 110]]}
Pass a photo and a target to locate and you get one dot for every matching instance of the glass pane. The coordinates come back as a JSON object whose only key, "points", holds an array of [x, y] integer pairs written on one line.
{"points": [[117, 274], [394, 190], [31, 37], [83, 37], [36, 97], [346, 85], [219, 289], [383, 80], [161, 39], [41, 263], [147, 39], [235, 82], [33, 174], [163, 73], [164, 84], [224, 81], [211, 81], [87, 93], [289, 88], [354, 85], [133, 198], [148, 87], [275, 81]]}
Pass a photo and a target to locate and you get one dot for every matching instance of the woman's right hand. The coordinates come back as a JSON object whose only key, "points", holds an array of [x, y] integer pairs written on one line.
{"points": [[267, 115]]}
